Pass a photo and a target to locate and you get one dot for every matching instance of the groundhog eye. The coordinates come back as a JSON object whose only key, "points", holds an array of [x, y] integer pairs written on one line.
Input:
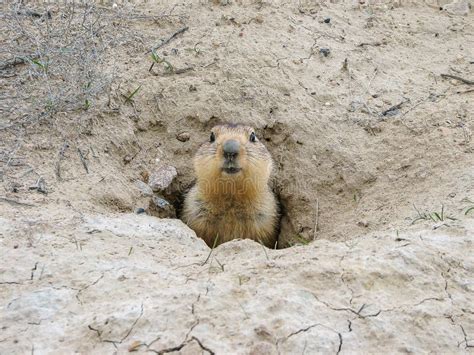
{"points": [[212, 138], [253, 137]]}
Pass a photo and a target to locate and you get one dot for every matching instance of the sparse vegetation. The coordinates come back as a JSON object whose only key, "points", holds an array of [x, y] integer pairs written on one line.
{"points": [[129, 97], [62, 49], [158, 60], [54, 58], [433, 216]]}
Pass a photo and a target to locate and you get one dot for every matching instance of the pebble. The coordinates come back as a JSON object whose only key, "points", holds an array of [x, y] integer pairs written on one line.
{"points": [[325, 51], [327, 20], [183, 136], [144, 188], [162, 178], [457, 7], [161, 208], [140, 210]]}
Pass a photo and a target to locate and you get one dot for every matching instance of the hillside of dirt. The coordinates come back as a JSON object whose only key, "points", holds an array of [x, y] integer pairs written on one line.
{"points": [[367, 109]]}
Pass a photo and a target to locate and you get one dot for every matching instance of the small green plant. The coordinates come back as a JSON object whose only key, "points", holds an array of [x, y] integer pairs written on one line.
{"points": [[212, 249], [264, 249], [49, 105], [299, 239], [130, 97], [44, 67], [158, 60], [196, 50], [432, 216]]}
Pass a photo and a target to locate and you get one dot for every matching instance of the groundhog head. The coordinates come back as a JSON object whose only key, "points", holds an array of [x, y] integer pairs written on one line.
{"points": [[233, 154]]}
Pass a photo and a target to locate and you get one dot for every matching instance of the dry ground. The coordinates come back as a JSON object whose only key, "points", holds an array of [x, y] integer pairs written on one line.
{"points": [[344, 158]]}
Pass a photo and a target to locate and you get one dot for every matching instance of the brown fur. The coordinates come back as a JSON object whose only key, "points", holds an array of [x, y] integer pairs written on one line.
{"points": [[222, 207]]}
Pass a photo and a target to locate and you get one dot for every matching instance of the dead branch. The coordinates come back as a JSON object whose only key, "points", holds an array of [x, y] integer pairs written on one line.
{"points": [[16, 203], [168, 40], [83, 160], [60, 157], [465, 81]]}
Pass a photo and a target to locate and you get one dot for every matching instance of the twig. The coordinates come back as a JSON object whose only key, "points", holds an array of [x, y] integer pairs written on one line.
{"points": [[316, 223], [211, 63], [465, 91], [390, 111], [212, 249], [13, 62], [40, 186], [83, 160], [60, 157], [264, 249], [375, 44], [168, 40], [465, 81], [16, 203], [175, 71]]}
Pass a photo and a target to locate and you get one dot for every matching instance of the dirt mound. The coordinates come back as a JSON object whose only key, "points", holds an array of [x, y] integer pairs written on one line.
{"points": [[361, 126], [136, 283]]}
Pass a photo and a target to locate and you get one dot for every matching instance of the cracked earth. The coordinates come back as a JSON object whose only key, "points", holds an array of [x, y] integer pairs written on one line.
{"points": [[405, 292]]}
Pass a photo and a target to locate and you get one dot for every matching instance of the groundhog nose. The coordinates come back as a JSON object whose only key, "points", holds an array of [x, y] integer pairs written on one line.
{"points": [[231, 148]]}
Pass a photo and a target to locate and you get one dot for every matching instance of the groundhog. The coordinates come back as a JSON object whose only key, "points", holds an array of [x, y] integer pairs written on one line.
{"points": [[231, 198]]}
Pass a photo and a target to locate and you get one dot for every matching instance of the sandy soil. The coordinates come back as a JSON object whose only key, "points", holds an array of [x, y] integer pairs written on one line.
{"points": [[340, 161]]}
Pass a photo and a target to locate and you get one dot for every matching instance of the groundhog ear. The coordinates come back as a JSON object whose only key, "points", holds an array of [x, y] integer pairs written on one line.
{"points": [[212, 138]]}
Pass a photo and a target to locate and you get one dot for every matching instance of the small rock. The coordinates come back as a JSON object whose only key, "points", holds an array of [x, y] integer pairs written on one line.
{"points": [[192, 88], [15, 187], [135, 346], [324, 51], [145, 176], [457, 7], [15, 246], [327, 20], [221, 2], [140, 210], [162, 178], [259, 19], [364, 224], [144, 188], [40, 186], [161, 208], [183, 136]]}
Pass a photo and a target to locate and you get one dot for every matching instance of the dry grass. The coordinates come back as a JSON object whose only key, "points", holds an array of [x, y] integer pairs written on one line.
{"points": [[53, 59], [56, 54]]}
